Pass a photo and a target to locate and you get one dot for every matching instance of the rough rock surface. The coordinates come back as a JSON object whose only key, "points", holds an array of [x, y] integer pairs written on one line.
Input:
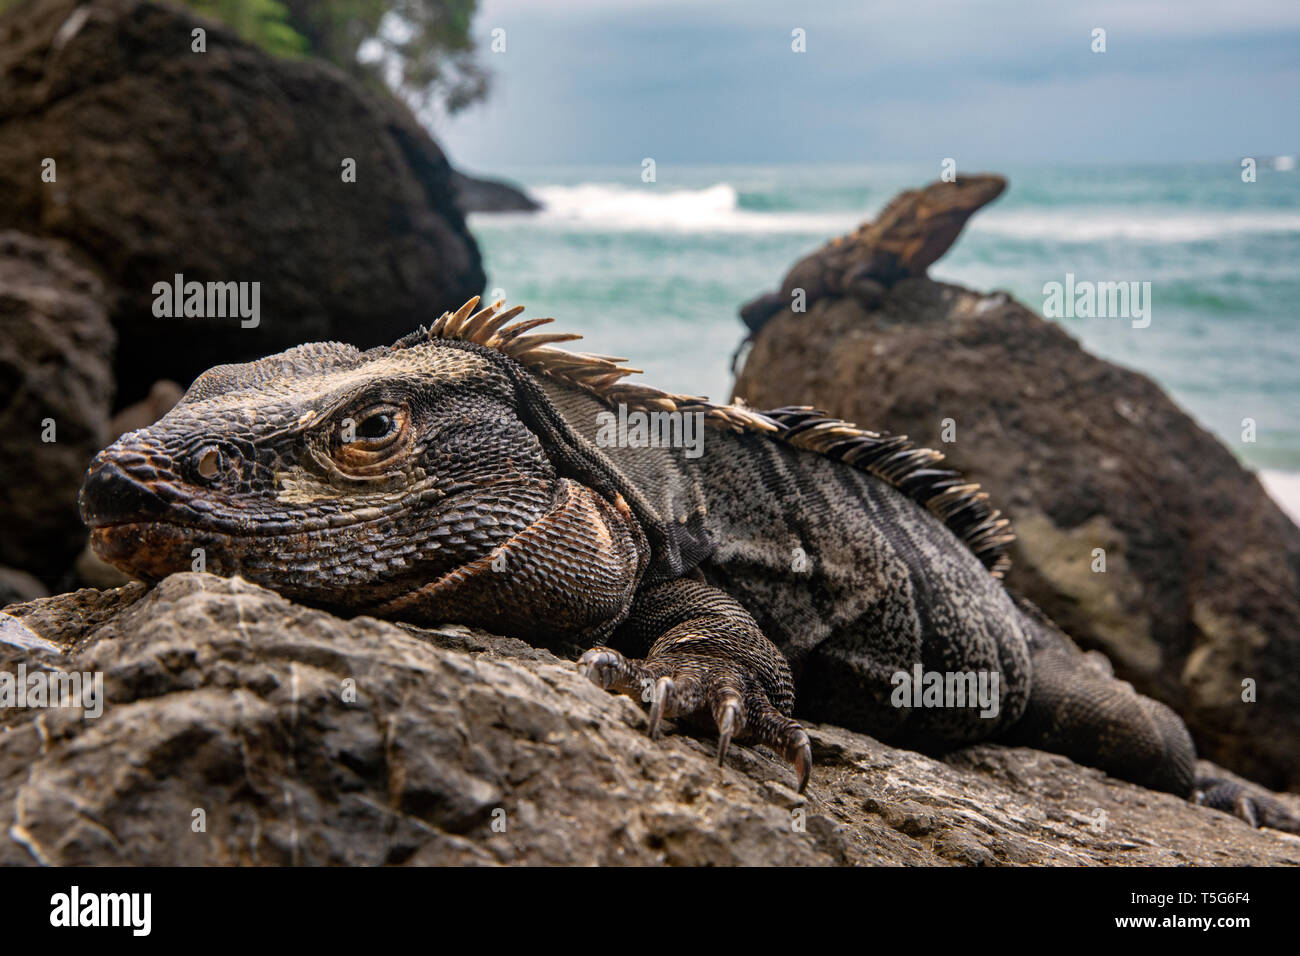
{"points": [[1202, 583], [490, 195], [222, 166], [462, 747], [55, 382]]}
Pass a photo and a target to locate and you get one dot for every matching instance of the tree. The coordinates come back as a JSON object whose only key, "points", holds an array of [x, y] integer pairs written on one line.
{"points": [[263, 22], [420, 49]]}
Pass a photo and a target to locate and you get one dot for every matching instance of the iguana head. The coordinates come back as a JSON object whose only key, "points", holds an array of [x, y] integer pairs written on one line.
{"points": [[342, 477]]}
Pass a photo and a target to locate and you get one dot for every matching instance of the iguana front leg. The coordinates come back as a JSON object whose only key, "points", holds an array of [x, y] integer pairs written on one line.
{"points": [[706, 660]]}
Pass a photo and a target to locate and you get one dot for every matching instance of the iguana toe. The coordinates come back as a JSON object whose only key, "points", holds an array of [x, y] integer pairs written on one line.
{"points": [[602, 666], [783, 734], [787, 737], [1246, 808]]}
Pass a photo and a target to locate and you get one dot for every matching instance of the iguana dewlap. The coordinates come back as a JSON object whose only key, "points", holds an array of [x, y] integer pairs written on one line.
{"points": [[467, 473]]}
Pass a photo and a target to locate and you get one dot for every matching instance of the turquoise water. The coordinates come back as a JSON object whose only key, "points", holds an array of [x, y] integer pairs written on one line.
{"points": [[655, 272]]}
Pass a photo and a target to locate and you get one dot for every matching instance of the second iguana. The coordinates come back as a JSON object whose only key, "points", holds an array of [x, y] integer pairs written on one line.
{"points": [[476, 472]]}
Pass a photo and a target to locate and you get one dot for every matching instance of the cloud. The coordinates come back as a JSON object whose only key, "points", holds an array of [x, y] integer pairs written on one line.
{"points": [[583, 81]]}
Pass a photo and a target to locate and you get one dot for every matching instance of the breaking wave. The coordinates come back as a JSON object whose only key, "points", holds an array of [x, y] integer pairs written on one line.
{"points": [[1284, 488], [1163, 226], [654, 207]]}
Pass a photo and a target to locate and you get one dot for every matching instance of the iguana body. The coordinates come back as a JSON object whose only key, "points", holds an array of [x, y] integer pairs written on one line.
{"points": [[464, 474]]}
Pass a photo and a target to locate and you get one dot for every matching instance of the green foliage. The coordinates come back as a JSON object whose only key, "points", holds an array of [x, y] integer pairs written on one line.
{"points": [[420, 49], [261, 22]]}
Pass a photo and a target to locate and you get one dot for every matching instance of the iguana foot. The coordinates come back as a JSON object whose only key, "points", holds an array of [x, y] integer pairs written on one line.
{"points": [[706, 690], [1256, 809]]}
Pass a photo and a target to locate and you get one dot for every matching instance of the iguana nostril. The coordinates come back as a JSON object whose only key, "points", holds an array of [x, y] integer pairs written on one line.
{"points": [[208, 462], [111, 495]]}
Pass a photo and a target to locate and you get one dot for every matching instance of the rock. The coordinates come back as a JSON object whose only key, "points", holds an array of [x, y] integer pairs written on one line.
{"points": [[17, 586], [55, 391], [1201, 590], [222, 166], [490, 195], [163, 394], [758, 310], [92, 571], [241, 728], [908, 236]]}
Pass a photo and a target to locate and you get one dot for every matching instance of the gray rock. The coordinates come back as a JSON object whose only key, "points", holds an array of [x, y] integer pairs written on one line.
{"points": [[163, 394], [55, 382], [16, 586], [459, 747], [222, 166], [490, 195]]}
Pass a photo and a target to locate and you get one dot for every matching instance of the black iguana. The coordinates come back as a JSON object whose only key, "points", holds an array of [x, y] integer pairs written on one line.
{"points": [[474, 472], [906, 238]]}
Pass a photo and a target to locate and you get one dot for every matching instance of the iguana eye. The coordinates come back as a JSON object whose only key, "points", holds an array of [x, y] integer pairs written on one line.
{"points": [[369, 438], [208, 462], [374, 427]]}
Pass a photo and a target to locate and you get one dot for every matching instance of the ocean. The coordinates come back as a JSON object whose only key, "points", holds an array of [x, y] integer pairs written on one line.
{"points": [[656, 271]]}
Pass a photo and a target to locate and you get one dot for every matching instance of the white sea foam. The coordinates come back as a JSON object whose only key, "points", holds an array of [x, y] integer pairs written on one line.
{"points": [[654, 207], [657, 208], [1094, 225], [1284, 488]]}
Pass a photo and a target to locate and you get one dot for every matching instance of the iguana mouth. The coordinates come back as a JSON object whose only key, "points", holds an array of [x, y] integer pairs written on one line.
{"points": [[150, 529], [149, 550], [112, 497]]}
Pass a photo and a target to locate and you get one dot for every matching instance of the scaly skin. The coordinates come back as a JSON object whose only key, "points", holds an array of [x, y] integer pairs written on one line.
{"points": [[461, 474]]}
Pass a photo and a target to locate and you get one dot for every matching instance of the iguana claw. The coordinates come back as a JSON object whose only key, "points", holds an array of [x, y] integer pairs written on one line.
{"points": [[803, 760], [739, 707], [731, 716], [663, 689]]}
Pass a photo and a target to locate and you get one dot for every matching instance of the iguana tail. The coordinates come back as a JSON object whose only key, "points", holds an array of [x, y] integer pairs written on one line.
{"points": [[1078, 708]]}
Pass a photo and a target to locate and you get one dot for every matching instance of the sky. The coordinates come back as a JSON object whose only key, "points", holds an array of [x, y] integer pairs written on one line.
{"points": [[984, 81]]}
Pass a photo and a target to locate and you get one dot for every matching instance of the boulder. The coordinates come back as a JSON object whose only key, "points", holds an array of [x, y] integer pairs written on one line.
{"points": [[17, 586], [1199, 602], [239, 728], [490, 195], [55, 391], [221, 166]]}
